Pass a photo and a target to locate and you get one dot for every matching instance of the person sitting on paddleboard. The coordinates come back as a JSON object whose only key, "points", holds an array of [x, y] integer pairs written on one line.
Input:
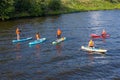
{"points": [[91, 43], [104, 34], [37, 36], [18, 31], [59, 32]]}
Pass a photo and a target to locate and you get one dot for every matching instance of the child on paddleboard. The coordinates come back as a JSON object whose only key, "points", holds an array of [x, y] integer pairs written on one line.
{"points": [[37, 36], [91, 43]]}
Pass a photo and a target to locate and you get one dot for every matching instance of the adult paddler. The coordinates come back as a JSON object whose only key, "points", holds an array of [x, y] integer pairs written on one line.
{"points": [[18, 31], [59, 32], [104, 34]]}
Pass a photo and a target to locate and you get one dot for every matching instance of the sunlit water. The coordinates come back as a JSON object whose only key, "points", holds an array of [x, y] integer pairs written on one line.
{"points": [[65, 61]]}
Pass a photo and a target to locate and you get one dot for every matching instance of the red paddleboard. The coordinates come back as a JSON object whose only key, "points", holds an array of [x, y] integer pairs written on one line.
{"points": [[95, 36], [99, 36]]}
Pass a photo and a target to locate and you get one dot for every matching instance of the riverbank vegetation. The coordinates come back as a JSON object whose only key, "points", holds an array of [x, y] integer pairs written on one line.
{"points": [[11, 9]]}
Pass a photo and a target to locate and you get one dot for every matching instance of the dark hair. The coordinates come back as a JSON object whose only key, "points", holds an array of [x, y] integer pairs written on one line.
{"points": [[37, 33]]}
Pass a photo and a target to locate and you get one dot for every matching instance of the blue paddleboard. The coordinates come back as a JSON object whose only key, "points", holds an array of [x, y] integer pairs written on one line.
{"points": [[21, 40], [37, 41]]}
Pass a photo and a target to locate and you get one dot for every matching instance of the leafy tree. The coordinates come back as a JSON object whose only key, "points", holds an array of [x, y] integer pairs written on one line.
{"points": [[23, 5], [55, 4], [6, 9], [35, 9], [32, 7]]}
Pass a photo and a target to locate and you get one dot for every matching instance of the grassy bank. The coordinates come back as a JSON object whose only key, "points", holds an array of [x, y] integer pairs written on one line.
{"points": [[55, 7], [69, 6]]}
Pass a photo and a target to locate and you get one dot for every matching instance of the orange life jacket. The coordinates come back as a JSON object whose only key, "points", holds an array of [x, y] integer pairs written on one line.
{"points": [[59, 32], [17, 31]]}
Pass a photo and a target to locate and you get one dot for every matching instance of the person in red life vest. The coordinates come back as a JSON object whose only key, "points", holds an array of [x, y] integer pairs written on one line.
{"points": [[37, 36], [91, 43], [18, 31], [59, 32], [104, 34]]}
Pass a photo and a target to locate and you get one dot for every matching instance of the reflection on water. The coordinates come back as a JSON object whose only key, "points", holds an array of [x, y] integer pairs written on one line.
{"points": [[95, 19], [59, 48], [90, 56], [37, 53], [18, 55], [104, 40]]}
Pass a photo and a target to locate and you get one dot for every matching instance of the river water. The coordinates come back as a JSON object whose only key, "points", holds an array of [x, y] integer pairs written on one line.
{"points": [[66, 61]]}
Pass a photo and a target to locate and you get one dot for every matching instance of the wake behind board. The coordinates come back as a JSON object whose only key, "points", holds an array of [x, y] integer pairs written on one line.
{"points": [[21, 40], [93, 49], [37, 41], [59, 40]]}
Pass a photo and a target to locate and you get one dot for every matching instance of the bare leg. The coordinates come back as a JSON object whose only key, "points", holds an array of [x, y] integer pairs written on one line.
{"points": [[18, 37]]}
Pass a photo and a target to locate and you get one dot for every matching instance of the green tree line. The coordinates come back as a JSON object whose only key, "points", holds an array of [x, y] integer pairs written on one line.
{"points": [[27, 8], [21, 8]]}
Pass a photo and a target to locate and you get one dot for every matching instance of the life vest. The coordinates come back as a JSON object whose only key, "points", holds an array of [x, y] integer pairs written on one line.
{"points": [[59, 32], [91, 43], [17, 31]]}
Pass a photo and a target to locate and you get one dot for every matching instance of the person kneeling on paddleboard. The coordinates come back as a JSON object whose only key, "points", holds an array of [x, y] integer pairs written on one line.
{"points": [[59, 32], [91, 43], [104, 34], [18, 31], [37, 36]]}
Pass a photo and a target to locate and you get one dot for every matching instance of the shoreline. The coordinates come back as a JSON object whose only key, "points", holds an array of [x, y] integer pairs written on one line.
{"points": [[30, 17], [66, 8]]}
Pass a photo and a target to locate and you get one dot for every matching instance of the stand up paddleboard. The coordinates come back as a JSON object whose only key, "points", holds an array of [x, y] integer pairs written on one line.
{"points": [[99, 36], [21, 40], [95, 36], [59, 40], [37, 41], [93, 49]]}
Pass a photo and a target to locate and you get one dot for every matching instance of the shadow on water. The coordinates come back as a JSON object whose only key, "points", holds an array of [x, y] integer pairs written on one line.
{"points": [[37, 54]]}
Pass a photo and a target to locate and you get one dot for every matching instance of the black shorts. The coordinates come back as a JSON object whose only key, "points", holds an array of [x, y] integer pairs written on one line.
{"points": [[91, 46], [58, 36]]}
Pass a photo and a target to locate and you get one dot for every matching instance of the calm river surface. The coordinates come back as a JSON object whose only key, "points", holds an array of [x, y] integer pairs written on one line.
{"points": [[65, 61]]}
